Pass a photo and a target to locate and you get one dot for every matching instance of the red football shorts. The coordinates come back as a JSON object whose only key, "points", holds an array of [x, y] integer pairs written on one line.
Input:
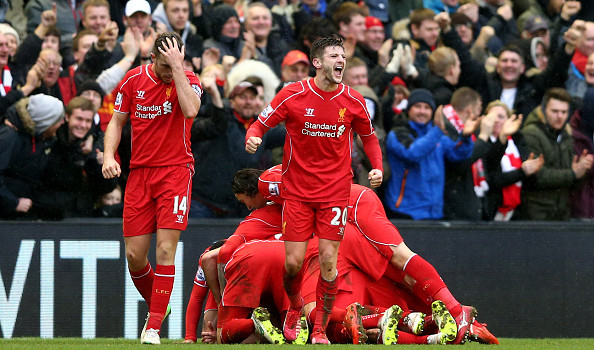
{"points": [[302, 219], [157, 198]]}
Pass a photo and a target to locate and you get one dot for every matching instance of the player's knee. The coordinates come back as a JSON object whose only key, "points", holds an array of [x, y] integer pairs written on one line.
{"points": [[293, 265], [165, 253], [136, 260]]}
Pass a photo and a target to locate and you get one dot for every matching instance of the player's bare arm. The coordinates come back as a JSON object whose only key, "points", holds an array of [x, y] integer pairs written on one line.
{"points": [[113, 134], [189, 101]]}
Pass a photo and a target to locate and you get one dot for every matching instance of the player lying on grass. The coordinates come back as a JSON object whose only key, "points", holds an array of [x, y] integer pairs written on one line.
{"points": [[366, 212]]}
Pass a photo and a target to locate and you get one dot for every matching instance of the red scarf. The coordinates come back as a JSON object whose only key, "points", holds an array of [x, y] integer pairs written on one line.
{"points": [[478, 170], [246, 122], [6, 85], [579, 60], [511, 194]]}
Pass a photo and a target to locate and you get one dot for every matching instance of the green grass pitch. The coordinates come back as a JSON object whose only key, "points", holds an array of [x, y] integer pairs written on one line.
{"points": [[102, 343]]}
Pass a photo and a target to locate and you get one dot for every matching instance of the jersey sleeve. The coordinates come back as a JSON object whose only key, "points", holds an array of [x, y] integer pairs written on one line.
{"points": [[361, 123], [269, 184], [195, 83], [123, 99]]}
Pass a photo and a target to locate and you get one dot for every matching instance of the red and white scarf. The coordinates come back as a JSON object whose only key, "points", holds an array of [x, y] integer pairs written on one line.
{"points": [[511, 194], [6, 85], [478, 170]]}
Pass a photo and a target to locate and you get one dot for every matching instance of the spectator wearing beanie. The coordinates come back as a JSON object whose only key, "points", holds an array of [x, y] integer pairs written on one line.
{"points": [[26, 137], [417, 150], [92, 91], [226, 32]]}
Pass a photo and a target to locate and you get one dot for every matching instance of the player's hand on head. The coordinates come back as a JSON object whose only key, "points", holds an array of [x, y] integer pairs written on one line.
{"points": [[251, 146], [173, 55], [375, 177]]}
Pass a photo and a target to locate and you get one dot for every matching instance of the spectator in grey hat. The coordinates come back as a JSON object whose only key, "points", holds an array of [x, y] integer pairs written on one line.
{"points": [[416, 151], [26, 136]]}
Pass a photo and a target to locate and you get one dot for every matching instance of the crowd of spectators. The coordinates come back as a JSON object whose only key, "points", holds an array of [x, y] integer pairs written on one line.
{"points": [[484, 109]]}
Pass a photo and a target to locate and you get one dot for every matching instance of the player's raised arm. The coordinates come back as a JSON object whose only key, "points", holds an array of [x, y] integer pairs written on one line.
{"points": [[173, 53]]}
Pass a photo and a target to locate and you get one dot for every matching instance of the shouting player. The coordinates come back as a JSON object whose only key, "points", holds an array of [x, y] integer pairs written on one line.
{"points": [[161, 99], [320, 116]]}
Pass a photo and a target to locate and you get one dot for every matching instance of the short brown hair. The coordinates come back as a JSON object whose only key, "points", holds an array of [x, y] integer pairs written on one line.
{"points": [[557, 94], [418, 16], [319, 46], [345, 12], [441, 59], [162, 40], [94, 3], [78, 36], [464, 97], [79, 102], [165, 2], [245, 181]]}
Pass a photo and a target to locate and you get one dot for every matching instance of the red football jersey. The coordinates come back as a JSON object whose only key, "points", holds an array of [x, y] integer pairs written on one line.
{"points": [[160, 132], [317, 151]]}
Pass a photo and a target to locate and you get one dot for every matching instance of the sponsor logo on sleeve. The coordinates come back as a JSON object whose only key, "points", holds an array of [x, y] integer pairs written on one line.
{"points": [[118, 100], [197, 89], [266, 112]]}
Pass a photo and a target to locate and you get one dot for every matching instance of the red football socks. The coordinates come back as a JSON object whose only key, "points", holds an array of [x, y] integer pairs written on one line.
{"points": [[429, 283], [325, 296], [337, 315], [143, 281], [235, 331], [292, 287], [408, 338], [162, 286], [194, 310]]}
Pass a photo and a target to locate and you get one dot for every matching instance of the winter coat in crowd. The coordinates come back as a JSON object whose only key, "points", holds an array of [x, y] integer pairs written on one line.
{"points": [[530, 89], [545, 196], [24, 156], [416, 153]]}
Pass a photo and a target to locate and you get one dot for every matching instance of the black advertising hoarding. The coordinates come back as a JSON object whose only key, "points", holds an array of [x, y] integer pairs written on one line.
{"points": [[69, 279]]}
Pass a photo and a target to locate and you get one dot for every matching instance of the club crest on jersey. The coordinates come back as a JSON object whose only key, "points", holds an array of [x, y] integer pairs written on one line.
{"points": [[309, 112], [168, 91], [140, 94], [341, 113]]}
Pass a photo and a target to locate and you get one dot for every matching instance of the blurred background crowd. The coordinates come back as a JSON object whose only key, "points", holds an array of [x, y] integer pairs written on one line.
{"points": [[484, 108]]}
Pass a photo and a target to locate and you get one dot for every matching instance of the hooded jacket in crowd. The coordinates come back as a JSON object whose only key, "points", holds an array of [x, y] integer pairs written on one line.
{"points": [[25, 152], [545, 196]]}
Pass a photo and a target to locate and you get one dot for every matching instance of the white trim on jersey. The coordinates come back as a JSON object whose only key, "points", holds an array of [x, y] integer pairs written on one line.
{"points": [[341, 91], [147, 73], [260, 117], [261, 220], [312, 90], [365, 109]]}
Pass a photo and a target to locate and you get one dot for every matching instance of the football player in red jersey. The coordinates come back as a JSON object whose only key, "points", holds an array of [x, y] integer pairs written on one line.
{"points": [[367, 214], [161, 100], [320, 116]]}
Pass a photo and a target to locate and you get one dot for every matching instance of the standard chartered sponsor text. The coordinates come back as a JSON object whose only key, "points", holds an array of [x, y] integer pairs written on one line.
{"points": [[153, 108], [315, 130]]}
